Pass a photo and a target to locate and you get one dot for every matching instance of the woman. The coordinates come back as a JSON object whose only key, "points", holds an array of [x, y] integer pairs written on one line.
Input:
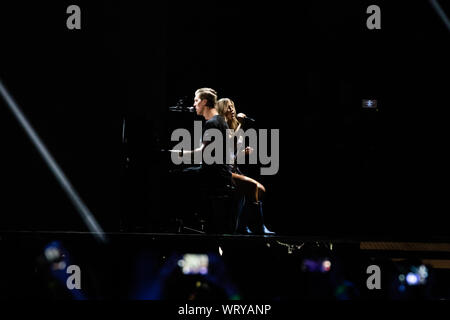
{"points": [[251, 189]]}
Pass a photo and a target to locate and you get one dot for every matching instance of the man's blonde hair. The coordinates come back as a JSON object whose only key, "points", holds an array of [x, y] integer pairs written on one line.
{"points": [[209, 94]]}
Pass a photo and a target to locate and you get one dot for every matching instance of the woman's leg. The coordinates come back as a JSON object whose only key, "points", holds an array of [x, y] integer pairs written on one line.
{"points": [[250, 188], [253, 191]]}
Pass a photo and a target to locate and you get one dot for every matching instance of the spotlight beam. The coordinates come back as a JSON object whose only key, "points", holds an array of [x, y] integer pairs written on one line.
{"points": [[64, 182], [440, 13]]}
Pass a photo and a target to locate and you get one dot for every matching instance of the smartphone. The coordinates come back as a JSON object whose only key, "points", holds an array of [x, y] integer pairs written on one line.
{"points": [[192, 263], [370, 104]]}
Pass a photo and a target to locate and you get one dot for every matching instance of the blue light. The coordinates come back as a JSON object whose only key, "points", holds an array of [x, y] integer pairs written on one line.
{"points": [[412, 279]]}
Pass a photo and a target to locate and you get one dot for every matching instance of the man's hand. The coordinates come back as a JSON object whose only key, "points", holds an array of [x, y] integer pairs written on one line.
{"points": [[178, 152], [248, 150]]}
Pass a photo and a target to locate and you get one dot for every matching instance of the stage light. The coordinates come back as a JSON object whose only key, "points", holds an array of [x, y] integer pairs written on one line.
{"points": [[412, 279], [415, 275], [423, 272], [60, 176]]}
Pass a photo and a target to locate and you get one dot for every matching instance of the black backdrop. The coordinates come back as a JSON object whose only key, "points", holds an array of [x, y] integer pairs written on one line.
{"points": [[302, 69]]}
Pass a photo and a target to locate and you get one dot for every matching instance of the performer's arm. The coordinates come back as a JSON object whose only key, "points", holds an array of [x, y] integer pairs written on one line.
{"points": [[247, 151], [189, 152], [240, 117]]}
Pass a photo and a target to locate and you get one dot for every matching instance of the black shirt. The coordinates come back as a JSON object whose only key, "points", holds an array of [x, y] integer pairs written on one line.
{"points": [[222, 171]]}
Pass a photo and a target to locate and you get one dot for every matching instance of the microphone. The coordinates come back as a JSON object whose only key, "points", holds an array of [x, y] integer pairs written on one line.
{"points": [[248, 118]]}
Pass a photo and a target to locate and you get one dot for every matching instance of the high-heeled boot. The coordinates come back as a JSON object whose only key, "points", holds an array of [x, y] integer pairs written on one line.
{"points": [[242, 220], [256, 219]]}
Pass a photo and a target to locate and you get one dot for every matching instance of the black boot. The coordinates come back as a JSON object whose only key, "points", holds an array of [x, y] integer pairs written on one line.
{"points": [[242, 220], [256, 220]]}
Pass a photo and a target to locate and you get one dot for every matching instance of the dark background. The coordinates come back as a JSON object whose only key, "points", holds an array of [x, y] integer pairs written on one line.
{"points": [[302, 69]]}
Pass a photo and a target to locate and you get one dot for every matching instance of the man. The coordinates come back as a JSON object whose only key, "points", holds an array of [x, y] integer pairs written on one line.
{"points": [[210, 175], [221, 174], [215, 174]]}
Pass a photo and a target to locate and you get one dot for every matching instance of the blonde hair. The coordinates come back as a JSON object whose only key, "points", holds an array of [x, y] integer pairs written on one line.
{"points": [[222, 108], [209, 94]]}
